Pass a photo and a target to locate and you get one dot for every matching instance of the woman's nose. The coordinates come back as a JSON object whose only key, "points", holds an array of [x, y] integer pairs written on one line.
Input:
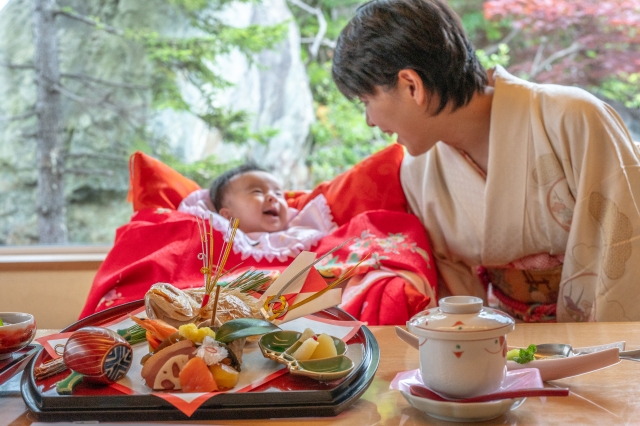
{"points": [[370, 122]]}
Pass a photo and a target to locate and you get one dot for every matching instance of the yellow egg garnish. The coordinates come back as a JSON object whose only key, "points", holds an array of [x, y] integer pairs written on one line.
{"points": [[195, 334]]}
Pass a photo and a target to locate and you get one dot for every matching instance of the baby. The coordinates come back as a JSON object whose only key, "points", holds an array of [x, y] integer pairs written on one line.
{"points": [[252, 195], [268, 228]]}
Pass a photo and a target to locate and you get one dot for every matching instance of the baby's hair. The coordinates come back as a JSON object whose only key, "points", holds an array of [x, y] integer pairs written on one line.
{"points": [[220, 185]]}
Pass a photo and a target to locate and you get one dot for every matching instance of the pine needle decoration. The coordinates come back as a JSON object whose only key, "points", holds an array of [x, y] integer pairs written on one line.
{"points": [[250, 281]]}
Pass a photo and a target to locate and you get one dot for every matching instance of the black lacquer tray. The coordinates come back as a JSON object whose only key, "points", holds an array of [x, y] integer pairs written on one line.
{"points": [[286, 396]]}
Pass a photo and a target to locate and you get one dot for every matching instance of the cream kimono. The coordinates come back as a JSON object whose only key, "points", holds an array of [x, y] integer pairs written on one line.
{"points": [[563, 184]]}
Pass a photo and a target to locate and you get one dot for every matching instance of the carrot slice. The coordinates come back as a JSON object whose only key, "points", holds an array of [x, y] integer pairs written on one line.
{"points": [[196, 377], [153, 342]]}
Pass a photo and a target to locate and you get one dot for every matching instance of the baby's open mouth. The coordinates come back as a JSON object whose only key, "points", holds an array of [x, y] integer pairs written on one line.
{"points": [[271, 212]]}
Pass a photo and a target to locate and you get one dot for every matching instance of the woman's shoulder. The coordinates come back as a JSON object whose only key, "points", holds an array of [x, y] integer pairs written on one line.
{"points": [[552, 100]]}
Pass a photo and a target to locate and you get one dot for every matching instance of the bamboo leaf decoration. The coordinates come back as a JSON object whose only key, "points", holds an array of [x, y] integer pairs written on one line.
{"points": [[243, 327]]}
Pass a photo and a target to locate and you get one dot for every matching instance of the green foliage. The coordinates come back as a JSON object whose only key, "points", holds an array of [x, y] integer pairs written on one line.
{"points": [[341, 136], [160, 57], [501, 57], [625, 88], [202, 172], [189, 59]]}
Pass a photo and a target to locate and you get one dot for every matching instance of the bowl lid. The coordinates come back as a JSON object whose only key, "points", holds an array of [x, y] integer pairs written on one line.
{"points": [[461, 317]]}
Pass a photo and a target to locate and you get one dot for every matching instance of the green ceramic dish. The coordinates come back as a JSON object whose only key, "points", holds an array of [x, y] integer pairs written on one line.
{"points": [[279, 345]]}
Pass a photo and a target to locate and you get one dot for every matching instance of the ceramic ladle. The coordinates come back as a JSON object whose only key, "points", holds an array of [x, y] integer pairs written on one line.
{"points": [[564, 350], [424, 392]]}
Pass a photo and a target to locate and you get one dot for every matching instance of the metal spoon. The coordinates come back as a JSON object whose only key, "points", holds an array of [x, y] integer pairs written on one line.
{"points": [[547, 350]]}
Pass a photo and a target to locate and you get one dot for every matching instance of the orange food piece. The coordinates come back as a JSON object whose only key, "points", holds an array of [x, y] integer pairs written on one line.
{"points": [[226, 377], [196, 377], [153, 342]]}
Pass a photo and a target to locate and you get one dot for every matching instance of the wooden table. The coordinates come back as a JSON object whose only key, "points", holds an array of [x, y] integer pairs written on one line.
{"points": [[610, 396]]}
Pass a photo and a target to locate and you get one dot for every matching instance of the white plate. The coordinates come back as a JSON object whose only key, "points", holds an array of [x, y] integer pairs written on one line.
{"points": [[463, 411]]}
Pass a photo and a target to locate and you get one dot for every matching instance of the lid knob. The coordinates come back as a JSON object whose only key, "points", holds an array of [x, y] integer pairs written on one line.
{"points": [[460, 304]]}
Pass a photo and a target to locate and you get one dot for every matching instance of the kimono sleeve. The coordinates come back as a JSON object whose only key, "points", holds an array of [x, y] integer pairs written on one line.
{"points": [[600, 279]]}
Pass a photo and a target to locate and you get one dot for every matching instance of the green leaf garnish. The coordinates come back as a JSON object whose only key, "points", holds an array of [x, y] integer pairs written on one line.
{"points": [[1, 323], [522, 356], [243, 327]]}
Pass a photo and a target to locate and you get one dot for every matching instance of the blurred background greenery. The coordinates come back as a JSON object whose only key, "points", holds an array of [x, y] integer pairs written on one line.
{"points": [[128, 69]]}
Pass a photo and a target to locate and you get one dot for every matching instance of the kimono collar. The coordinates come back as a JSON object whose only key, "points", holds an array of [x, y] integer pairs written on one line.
{"points": [[509, 140]]}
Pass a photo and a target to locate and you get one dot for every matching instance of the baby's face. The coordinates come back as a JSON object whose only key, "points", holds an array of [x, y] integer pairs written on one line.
{"points": [[257, 199]]}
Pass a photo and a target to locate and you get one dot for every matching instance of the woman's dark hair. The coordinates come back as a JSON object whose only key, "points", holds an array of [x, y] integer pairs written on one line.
{"points": [[220, 185], [387, 36]]}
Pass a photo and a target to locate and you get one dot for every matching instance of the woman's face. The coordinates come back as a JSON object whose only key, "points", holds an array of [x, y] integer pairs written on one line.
{"points": [[257, 200], [406, 113]]}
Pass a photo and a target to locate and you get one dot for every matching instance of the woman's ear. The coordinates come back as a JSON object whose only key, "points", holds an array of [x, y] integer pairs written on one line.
{"points": [[410, 83], [225, 212]]}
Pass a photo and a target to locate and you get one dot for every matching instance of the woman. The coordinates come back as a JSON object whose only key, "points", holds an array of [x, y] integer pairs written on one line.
{"points": [[528, 190]]}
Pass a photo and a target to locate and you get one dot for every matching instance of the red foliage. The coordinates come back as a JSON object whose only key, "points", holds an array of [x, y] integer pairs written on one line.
{"points": [[574, 41]]}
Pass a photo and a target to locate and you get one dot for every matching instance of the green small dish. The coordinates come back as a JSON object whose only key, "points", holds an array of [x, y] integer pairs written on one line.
{"points": [[279, 345]]}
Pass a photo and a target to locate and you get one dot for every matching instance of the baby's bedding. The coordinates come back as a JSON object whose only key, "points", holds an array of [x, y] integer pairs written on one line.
{"points": [[162, 244]]}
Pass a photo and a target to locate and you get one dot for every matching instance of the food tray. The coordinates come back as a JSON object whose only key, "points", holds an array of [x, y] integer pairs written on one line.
{"points": [[286, 396]]}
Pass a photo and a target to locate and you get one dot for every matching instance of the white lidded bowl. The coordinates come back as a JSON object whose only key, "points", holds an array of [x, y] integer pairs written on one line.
{"points": [[463, 346]]}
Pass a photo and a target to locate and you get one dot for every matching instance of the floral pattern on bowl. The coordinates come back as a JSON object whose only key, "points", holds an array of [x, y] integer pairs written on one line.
{"points": [[279, 345]]}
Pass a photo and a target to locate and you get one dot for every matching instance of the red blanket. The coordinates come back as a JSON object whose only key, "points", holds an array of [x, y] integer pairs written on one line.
{"points": [[162, 245]]}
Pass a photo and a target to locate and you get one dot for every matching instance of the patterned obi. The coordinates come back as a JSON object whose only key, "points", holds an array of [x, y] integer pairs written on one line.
{"points": [[527, 289]]}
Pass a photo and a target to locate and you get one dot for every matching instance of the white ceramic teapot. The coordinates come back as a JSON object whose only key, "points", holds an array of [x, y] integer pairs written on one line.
{"points": [[462, 346]]}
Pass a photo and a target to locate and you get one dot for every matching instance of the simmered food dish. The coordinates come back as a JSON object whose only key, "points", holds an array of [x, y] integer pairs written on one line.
{"points": [[190, 359]]}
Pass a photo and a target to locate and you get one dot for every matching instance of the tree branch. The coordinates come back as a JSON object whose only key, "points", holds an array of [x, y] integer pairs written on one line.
{"points": [[538, 57], [84, 77], [95, 155], [78, 17], [574, 48], [322, 25], [89, 172], [18, 117], [495, 47], [95, 102], [324, 42], [16, 66]]}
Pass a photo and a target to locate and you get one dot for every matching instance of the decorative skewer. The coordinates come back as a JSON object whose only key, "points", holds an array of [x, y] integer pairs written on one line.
{"points": [[284, 304], [234, 227], [212, 276], [271, 301]]}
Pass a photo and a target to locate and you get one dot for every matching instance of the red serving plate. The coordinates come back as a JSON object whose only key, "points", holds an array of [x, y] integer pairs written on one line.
{"points": [[16, 362], [285, 396]]}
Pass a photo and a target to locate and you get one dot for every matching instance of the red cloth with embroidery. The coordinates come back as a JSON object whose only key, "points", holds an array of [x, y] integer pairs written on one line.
{"points": [[160, 244]]}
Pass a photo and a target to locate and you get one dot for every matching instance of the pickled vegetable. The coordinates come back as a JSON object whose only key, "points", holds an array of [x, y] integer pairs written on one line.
{"points": [[326, 347], [305, 351]]}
